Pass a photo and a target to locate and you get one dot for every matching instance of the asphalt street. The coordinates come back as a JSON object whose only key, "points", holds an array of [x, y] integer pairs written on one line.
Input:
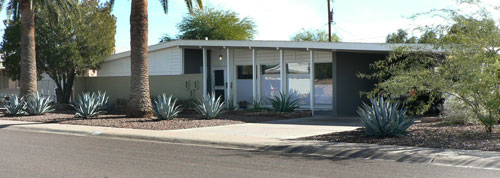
{"points": [[38, 154]]}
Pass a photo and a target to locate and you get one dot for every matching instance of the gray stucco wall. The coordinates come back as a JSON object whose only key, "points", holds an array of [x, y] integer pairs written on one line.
{"points": [[349, 86]]}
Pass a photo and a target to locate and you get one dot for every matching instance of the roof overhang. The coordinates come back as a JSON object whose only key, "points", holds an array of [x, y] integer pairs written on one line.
{"points": [[340, 47]]}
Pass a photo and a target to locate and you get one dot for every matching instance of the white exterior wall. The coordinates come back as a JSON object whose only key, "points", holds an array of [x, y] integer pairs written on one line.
{"points": [[244, 56], [161, 62]]}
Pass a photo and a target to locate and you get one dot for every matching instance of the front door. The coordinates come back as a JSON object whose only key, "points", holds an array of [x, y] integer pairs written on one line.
{"points": [[219, 83]]}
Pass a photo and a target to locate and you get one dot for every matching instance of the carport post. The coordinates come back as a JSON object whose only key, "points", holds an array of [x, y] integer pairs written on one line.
{"points": [[229, 73], [311, 77], [205, 74], [282, 73], [254, 76]]}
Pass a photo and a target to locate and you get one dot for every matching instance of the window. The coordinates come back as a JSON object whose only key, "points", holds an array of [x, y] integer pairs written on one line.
{"points": [[245, 72], [299, 82], [323, 83]]}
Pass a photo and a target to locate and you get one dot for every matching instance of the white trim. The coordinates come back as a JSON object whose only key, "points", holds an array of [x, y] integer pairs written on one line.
{"points": [[343, 46], [334, 79]]}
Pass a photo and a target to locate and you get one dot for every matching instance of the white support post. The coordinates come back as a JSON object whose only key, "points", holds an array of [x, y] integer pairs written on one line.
{"points": [[229, 73], [205, 74], [311, 77], [282, 73], [254, 76]]}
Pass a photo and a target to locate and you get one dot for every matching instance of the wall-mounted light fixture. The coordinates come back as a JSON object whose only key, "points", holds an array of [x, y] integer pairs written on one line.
{"points": [[220, 57]]}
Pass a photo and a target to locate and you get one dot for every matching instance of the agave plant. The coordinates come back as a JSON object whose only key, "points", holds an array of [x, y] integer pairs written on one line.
{"points": [[210, 106], [257, 105], [165, 107], [284, 102], [37, 104], [383, 118], [15, 106], [90, 104]]}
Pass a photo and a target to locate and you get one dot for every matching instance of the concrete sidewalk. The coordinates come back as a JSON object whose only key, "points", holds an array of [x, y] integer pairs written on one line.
{"points": [[280, 136], [256, 134]]}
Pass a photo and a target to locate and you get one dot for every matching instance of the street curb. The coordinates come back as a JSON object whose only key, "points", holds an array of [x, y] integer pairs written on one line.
{"points": [[140, 137], [444, 157]]}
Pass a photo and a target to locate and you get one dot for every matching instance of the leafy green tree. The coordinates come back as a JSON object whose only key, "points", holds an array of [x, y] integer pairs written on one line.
{"points": [[314, 35], [26, 10], [401, 36], [216, 25], [469, 69], [66, 47]]}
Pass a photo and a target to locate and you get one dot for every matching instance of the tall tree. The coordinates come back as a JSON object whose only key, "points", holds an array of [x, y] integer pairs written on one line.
{"points": [[216, 25], [66, 47], [28, 9], [401, 36], [314, 35], [468, 69], [140, 102]]}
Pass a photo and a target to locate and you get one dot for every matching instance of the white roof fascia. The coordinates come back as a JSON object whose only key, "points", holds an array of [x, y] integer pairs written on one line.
{"points": [[343, 46]]}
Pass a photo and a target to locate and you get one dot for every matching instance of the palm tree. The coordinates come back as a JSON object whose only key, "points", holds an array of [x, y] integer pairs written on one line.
{"points": [[140, 102], [26, 9]]}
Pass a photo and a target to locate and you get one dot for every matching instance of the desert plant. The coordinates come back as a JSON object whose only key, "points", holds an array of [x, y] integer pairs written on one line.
{"points": [[210, 106], [455, 111], [165, 107], [257, 105], [90, 104], [284, 102], [384, 118], [15, 106], [37, 104]]}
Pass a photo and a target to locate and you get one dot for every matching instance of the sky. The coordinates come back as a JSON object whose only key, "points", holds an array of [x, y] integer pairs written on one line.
{"points": [[354, 20]]}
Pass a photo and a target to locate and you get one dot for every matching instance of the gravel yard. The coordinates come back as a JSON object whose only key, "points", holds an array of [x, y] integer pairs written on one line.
{"points": [[184, 121], [432, 135]]}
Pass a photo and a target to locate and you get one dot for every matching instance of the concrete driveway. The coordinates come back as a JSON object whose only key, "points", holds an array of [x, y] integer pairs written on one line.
{"points": [[321, 123]]}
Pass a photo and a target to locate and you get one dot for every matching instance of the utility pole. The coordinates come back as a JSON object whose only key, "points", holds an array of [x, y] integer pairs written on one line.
{"points": [[330, 20]]}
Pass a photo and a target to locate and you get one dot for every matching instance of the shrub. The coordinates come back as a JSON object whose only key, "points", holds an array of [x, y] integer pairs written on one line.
{"points": [[284, 103], [15, 106], [90, 104], [383, 118], [165, 108], [210, 106], [37, 104], [454, 111]]}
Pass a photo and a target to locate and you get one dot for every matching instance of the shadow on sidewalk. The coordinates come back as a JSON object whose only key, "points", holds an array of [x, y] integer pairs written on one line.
{"points": [[2, 126]]}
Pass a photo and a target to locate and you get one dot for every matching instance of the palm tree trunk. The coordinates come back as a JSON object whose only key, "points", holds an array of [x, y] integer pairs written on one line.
{"points": [[140, 102], [28, 78]]}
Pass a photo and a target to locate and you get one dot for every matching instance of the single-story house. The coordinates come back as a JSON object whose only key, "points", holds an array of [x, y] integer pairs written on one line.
{"points": [[46, 86], [248, 71]]}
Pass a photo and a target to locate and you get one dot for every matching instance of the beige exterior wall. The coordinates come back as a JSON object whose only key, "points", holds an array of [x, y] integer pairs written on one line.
{"points": [[180, 86]]}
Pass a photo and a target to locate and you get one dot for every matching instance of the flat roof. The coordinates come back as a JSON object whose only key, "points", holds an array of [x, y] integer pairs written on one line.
{"points": [[340, 46]]}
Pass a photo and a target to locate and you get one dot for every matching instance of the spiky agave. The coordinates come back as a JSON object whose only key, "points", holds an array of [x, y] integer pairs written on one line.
{"points": [[383, 118], [165, 107], [210, 106], [15, 106], [90, 104], [37, 104], [284, 102]]}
